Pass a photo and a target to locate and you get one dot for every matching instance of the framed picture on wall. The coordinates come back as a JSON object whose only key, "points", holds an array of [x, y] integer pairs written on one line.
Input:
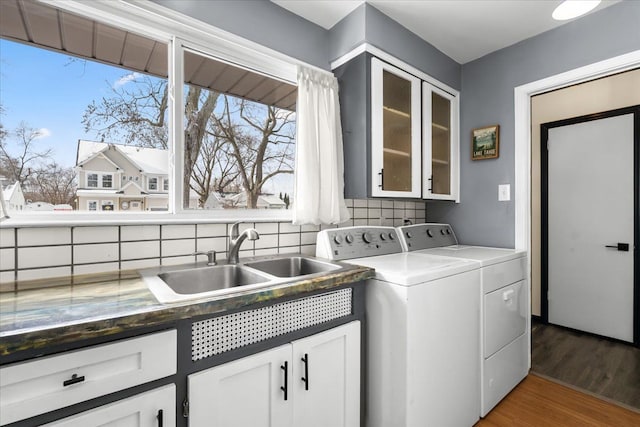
{"points": [[485, 143]]}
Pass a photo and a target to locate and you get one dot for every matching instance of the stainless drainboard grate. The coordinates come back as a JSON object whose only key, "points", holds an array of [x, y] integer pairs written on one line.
{"points": [[224, 333]]}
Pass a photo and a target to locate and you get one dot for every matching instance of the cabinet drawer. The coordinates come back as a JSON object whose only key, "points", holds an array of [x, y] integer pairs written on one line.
{"points": [[141, 410], [505, 273], [45, 384]]}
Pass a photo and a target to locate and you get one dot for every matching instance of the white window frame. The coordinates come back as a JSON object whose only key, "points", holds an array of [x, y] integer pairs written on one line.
{"points": [[100, 183], [89, 205], [97, 175], [155, 179], [179, 32]]}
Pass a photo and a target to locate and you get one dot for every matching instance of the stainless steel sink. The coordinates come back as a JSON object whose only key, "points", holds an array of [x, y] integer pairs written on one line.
{"points": [[207, 279], [292, 266]]}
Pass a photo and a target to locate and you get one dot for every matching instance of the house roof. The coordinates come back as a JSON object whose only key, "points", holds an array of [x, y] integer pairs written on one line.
{"points": [[9, 190], [152, 161]]}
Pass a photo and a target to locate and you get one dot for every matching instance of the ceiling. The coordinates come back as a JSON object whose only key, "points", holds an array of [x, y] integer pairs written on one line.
{"points": [[462, 29]]}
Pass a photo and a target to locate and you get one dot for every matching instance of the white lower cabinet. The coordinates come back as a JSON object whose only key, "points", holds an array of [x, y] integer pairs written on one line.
{"points": [[314, 381], [155, 408], [48, 383]]}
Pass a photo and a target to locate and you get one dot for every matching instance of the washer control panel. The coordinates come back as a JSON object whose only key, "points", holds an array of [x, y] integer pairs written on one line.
{"points": [[426, 236], [357, 242]]}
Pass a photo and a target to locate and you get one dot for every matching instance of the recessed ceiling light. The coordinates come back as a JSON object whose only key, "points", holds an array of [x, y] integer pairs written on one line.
{"points": [[570, 9]]}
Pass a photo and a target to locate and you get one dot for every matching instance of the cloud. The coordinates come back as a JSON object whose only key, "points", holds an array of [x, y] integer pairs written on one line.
{"points": [[43, 133], [126, 79]]}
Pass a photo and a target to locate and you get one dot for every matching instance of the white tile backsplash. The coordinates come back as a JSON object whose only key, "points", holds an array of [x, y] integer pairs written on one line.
{"points": [[42, 236], [218, 244], [46, 256], [85, 254], [360, 203], [7, 238], [290, 239], [287, 227], [267, 228], [266, 241], [211, 230], [95, 234], [136, 250], [138, 264], [178, 231], [179, 260], [178, 247], [308, 238], [139, 232], [96, 268], [7, 259], [44, 273]]}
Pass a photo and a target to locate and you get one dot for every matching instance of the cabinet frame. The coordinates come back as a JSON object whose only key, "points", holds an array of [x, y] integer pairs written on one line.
{"points": [[427, 146], [378, 68]]}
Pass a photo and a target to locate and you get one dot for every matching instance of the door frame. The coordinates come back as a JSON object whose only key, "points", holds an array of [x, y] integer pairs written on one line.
{"points": [[544, 200]]}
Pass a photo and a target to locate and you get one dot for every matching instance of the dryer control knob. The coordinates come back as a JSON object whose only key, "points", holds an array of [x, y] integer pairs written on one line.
{"points": [[383, 236], [337, 238], [392, 236], [448, 231], [408, 233], [429, 232], [442, 232], [349, 238], [366, 236]]}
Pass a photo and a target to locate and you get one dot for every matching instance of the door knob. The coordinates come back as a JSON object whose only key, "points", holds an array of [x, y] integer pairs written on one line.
{"points": [[620, 246]]}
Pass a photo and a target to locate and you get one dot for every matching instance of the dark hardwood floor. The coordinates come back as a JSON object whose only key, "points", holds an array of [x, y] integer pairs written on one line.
{"points": [[605, 368]]}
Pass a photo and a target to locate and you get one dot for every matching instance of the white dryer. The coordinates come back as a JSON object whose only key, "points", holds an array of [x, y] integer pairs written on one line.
{"points": [[505, 310], [422, 338]]}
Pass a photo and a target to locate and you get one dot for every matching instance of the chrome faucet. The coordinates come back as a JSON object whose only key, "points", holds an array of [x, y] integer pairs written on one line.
{"points": [[211, 256], [236, 239]]}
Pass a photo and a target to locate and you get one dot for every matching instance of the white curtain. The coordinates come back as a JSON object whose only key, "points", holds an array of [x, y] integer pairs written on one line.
{"points": [[319, 169]]}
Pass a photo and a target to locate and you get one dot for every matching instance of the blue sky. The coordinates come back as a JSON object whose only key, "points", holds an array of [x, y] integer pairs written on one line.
{"points": [[53, 100]]}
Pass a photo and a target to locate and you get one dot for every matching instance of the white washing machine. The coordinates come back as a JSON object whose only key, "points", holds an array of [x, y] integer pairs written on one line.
{"points": [[505, 310], [422, 341]]}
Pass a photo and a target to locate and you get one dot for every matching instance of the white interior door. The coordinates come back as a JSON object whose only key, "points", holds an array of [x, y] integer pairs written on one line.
{"points": [[590, 206]]}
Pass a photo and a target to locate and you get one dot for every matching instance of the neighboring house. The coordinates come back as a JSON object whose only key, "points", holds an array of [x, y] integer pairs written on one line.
{"points": [[265, 201], [114, 177], [13, 196]]}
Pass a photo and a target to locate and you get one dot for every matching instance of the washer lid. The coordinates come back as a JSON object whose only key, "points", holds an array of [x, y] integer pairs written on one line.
{"points": [[408, 268], [486, 255]]}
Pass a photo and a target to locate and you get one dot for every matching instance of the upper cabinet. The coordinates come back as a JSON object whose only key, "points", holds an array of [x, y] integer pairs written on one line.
{"points": [[395, 132], [440, 144], [400, 132]]}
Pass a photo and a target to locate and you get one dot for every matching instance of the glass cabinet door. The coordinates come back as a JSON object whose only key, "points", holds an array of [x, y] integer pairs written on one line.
{"points": [[396, 136], [440, 152]]}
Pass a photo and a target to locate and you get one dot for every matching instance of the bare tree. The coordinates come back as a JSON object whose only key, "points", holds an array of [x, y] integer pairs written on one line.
{"points": [[214, 170], [135, 113], [52, 183], [19, 166], [262, 142]]}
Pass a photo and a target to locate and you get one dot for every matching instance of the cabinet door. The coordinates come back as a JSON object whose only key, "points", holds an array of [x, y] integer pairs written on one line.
{"points": [[151, 409], [440, 144], [245, 392], [326, 378], [395, 132]]}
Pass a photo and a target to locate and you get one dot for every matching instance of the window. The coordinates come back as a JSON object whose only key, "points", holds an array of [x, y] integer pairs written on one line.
{"points": [[245, 152], [92, 180], [107, 181]]}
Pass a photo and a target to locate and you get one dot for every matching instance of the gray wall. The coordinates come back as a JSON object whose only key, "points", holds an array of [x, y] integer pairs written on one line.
{"points": [[262, 22], [367, 23], [488, 98]]}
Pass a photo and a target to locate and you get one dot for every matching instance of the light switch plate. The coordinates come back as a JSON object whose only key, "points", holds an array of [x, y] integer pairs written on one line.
{"points": [[504, 192]]}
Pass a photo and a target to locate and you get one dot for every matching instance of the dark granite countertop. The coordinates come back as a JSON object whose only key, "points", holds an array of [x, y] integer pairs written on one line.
{"points": [[38, 318]]}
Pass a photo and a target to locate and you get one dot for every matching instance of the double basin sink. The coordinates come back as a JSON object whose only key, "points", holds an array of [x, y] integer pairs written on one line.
{"points": [[209, 281]]}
